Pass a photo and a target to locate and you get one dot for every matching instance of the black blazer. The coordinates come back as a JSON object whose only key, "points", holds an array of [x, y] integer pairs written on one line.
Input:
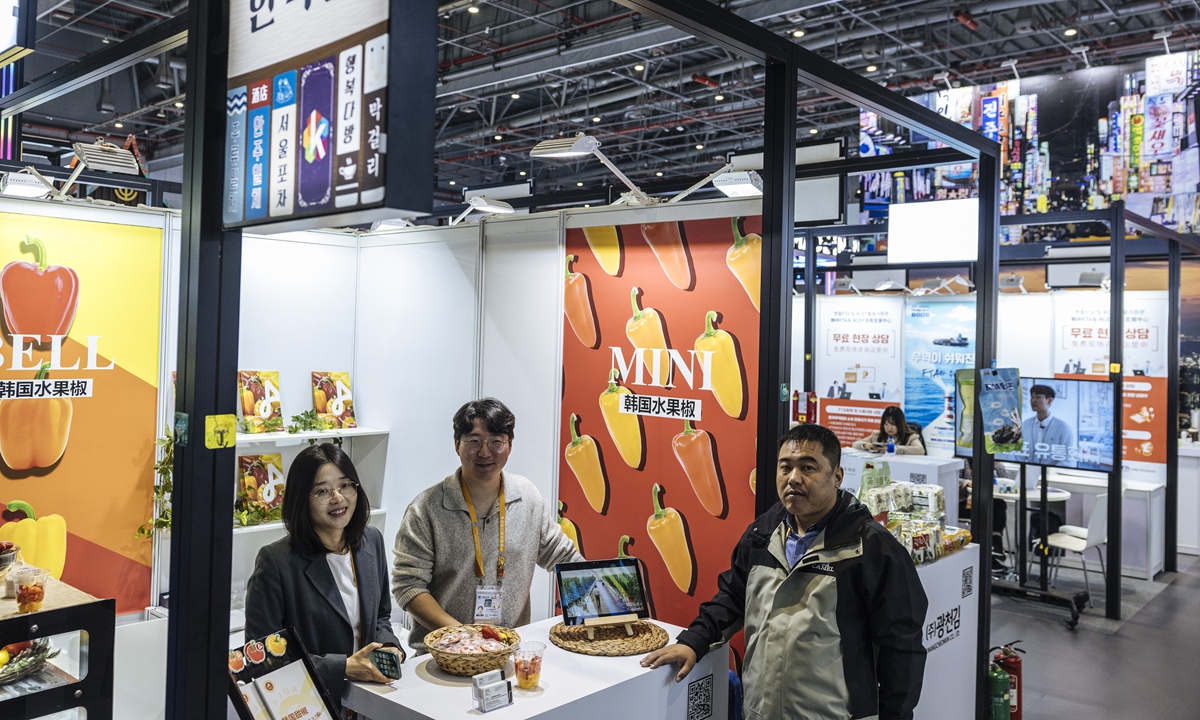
{"points": [[289, 588]]}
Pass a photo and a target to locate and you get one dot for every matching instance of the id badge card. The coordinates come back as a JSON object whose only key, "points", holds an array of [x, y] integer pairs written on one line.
{"points": [[487, 604]]}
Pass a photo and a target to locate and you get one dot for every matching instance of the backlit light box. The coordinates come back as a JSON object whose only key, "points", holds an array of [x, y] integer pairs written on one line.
{"points": [[937, 231]]}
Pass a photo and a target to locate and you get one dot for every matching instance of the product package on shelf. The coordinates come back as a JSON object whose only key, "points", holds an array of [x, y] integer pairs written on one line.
{"points": [[929, 503], [915, 514], [332, 399], [274, 679], [260, 489], [258, 401]]}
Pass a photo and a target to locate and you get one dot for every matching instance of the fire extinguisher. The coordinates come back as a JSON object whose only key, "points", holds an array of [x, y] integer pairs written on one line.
{"points": [[998, 697], [1010, 661], [796, 416], [811, 409]]}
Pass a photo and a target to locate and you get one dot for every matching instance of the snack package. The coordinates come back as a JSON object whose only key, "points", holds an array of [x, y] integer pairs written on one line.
{"points": [[332, 399], [1000, 404], [954, 539], [259, 401], [902, 497], [929, 502], [262, 479], [875, 474]]}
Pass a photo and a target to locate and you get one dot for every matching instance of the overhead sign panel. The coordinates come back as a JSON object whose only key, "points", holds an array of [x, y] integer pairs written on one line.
{"points": [[308, 117]]}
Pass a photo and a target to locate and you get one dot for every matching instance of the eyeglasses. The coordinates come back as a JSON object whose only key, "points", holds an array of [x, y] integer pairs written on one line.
{"points": [[348, 490], [473, 444]]}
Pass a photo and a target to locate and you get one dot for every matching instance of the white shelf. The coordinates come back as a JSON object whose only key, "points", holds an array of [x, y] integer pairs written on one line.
{"points": [[286, 438]]}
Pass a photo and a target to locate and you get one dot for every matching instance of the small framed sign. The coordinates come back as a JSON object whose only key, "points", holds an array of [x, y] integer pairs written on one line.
{"points": [[273, 678]]}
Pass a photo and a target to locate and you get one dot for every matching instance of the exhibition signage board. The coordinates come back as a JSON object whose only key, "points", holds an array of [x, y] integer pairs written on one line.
{"points": [[1081, 326], [858, 348], [939, 339], [661, 322], [315, 91], [850, 420], [80, 354]]}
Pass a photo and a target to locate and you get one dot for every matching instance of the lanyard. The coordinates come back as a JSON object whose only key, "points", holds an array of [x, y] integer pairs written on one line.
{"points": [[475, 533]]}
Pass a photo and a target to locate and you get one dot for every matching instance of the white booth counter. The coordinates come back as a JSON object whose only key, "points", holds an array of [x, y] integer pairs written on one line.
{"points": [[921, 469], [951, 626], [1143, 511], [581, 687], [1189, 498]]}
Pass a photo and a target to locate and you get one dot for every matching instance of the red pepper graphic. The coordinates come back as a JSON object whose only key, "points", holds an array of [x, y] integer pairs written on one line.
{"points": [[38, 299]]}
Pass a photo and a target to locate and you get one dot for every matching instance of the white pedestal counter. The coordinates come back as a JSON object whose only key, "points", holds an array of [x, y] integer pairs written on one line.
{"points": [[908, 468], [951, 629], [1189, 498], [580, 687]]}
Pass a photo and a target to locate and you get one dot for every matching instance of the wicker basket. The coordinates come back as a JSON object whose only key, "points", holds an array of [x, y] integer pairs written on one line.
{"points": [[466, 665]]}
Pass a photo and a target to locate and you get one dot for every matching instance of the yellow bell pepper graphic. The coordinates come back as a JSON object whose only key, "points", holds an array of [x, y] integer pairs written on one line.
{"points": [[665, 527], [583, 456], [645, 331], [625, 429], [606, 246], [568, 528], [744, 259], [726, 380], [43, 540]]}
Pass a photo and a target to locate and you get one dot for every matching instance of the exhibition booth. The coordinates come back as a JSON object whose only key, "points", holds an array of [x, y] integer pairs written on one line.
{"points": [[643, 348], [536, 310]]}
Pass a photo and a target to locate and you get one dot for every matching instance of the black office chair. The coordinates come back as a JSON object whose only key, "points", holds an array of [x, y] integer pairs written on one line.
{"points": [[916, 428]]}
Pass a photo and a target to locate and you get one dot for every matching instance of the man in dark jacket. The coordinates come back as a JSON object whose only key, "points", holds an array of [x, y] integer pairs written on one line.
{"points": [[831, 602]]}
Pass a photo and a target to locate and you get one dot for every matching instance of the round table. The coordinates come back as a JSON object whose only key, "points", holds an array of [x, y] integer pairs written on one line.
{"points": [[1053, 495]]}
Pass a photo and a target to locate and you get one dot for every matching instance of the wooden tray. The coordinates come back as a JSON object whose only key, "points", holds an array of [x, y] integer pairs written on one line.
{"points": [[611, 641]]}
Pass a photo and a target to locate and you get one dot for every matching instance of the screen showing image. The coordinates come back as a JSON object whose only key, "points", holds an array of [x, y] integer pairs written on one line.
{"points": [[1066, 423], [600, 589]]}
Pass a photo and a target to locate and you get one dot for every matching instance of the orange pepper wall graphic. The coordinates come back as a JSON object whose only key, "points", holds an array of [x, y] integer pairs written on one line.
{"points": [[660, 286], [81, 467]]}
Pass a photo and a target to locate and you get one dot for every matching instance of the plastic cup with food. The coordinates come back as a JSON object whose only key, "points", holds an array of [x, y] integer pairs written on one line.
{"points": [[527, 659], [31, 588]]}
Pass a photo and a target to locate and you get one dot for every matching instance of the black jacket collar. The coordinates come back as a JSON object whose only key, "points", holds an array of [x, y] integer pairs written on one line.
{"points": [[844, 526]]}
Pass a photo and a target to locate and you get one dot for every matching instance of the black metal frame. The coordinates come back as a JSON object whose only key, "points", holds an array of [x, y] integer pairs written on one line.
{"points": [[210, 293], [150, 42], [94, 691]]}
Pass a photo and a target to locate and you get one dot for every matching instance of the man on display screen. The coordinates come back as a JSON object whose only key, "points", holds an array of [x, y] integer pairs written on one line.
{"points": [[830, 601], [1044, 433]]}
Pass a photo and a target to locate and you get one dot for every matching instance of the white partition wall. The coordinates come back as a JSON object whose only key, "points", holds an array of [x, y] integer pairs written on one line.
{"points": [[297, 310], [416, 330], [521, 350]]}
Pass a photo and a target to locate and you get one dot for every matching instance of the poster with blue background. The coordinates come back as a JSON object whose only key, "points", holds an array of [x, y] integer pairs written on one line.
{"points": [[939, 339]]}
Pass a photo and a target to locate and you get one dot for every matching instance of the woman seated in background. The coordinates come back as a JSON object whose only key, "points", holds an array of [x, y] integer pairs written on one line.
{"points": [[328, 577], [892, 424]]}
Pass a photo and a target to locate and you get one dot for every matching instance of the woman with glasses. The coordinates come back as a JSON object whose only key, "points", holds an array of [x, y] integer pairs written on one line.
{"points": [[467, 546], [328, 577]]}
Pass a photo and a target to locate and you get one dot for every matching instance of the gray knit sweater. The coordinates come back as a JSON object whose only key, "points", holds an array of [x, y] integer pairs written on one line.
{"points": [[435, 551]]}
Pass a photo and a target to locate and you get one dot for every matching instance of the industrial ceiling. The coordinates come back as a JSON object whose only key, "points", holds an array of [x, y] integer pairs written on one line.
{"points": [[665, 106]]}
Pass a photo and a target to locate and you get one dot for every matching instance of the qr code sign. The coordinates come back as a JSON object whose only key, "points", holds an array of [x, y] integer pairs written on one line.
{"points": [[968, 583], [700, 698]]}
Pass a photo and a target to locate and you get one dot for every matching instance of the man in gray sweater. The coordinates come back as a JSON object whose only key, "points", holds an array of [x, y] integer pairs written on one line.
{"points": [[467, 546]]}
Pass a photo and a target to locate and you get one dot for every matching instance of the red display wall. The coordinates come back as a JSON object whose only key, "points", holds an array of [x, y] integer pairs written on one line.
{"points": [[683, 272]]}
